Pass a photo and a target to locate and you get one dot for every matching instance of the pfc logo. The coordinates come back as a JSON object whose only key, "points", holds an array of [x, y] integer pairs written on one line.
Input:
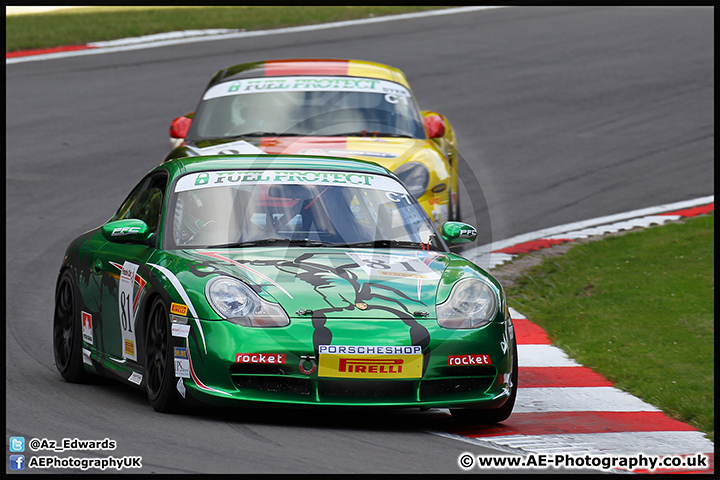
{"points": [[120, 231]]}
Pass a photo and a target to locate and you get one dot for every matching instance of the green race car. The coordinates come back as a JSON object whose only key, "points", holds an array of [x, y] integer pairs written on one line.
{"points": [[261, 280]]}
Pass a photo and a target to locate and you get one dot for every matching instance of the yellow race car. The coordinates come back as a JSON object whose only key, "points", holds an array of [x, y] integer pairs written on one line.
{"points": [[338, 108]]}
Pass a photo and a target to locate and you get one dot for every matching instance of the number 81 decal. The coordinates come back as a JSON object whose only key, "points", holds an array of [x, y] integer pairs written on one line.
{"points": [[376, 264], [128, 300]]}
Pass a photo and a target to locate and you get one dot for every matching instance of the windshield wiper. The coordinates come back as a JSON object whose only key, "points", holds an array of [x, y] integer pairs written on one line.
{"points": [[273, 241], [367, 133], [267, 134], [382, 243]]}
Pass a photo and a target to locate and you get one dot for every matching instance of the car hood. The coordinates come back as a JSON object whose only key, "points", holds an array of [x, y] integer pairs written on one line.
{"points": [[387, 151], [362, 283]]}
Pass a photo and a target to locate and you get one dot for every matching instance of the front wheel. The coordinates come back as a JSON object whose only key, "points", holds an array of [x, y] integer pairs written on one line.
{"points": [[487, 417], [159, 366], [67, 337]]}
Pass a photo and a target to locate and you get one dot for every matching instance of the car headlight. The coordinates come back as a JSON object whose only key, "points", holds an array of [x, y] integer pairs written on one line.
{"points": [[472, 303], [237, 303], [415, 176]]}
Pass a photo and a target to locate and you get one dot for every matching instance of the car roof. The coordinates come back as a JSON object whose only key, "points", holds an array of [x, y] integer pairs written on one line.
{"points": [[310, 66], [184, 165]]}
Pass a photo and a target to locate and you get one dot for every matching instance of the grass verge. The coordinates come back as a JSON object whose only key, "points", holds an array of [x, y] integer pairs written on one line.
{"points": [[639, 309], [80, 26]]}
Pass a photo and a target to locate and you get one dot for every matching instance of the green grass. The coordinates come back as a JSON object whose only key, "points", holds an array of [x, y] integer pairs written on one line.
{"points": [[93, 24], [639, 309]]}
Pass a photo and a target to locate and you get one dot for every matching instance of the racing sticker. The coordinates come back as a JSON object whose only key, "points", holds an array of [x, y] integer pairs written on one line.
{"points": [[262, 358], [179, 319], [469, 360], [382, 265], [182, 362], [178, 309], [181, 387], [180, 330], [226, 178], [87, 328], [230, 148], [309, 84], [351, 361], [128, 304], [135, 378], [86, 356]]}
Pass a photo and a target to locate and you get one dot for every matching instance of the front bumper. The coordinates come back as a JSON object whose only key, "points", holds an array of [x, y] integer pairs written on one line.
{"points": [[217, 378]]}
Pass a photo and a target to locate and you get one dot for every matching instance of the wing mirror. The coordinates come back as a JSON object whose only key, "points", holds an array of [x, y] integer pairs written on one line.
{"points": [[129, 230], [456, 233], [180, 127], [435, 125]]}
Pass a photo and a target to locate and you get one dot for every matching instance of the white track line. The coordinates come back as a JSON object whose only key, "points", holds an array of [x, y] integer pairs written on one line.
{"points": [[578, 399], [555, 232], [614, 443], [168, 39], [544, 356]]}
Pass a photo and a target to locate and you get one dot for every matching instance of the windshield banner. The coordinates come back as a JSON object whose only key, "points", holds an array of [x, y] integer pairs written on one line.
{"points": [[199, 180], [306, 84]]}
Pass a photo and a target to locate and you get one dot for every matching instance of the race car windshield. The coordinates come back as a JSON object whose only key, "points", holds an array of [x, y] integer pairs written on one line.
{"points": [[295, 208], [300, 106]]}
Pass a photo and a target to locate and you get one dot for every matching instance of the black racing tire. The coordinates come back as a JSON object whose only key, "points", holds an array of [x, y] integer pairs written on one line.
{"points": [[468, 416], [67, 332], [159, 367]]}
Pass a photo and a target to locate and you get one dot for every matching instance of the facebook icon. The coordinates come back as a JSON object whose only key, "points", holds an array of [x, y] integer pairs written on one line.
{"points": [[17, 462]]}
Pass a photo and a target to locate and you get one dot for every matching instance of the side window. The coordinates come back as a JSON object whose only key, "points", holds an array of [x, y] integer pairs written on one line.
{"points": [[145, 201], [124, 209]]}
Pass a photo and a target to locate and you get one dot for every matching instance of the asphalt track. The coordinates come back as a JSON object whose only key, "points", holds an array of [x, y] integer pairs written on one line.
{"points": [[562, 114]]}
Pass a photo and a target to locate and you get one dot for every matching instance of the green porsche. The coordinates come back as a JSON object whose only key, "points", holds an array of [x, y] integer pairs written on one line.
{"points": [[275, 280]]}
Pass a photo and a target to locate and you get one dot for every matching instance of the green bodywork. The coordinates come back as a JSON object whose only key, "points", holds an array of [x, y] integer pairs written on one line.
{"points": [[329, 298]]}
